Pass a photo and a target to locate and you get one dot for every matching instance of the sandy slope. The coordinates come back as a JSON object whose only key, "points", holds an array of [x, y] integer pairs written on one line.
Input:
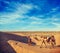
{"points": [[56, 34], [24, 48], [17, 43]]}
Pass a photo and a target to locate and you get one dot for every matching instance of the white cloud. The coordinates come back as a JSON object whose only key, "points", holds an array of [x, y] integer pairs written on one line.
{"points": [[57, 24], [7, 2], [55, 19], [35, 22], [52, 11], [35, 18], [19, 12], [55, 9], [21, 9], [5, 19]]}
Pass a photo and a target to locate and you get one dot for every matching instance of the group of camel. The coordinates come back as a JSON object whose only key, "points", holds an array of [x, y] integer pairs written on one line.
{"points": [[44, 40]]}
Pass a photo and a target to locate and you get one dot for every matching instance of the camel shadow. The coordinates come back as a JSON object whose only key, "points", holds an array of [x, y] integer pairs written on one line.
{"points": [[4, 37]]}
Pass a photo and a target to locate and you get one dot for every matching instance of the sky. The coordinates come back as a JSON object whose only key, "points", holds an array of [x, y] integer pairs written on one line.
{"points": [[29, 15]]}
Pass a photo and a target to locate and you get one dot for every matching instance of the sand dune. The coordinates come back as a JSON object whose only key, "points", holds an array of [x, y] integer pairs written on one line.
{"points": [[16, 42], [56, 34], [24, 48]]}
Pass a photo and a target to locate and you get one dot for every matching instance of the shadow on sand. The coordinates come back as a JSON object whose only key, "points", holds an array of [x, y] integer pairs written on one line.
{"points": [[4, 37]]}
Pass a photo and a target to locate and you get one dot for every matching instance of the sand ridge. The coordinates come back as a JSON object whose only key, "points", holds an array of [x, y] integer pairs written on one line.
{"points": [[16, 42]]}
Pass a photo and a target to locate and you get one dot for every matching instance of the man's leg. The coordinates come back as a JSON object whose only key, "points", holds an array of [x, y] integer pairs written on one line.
{"points": [[41, 45], [45, 45]]}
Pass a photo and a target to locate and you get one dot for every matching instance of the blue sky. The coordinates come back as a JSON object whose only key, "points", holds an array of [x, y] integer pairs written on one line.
{"points": [[29, 15]]}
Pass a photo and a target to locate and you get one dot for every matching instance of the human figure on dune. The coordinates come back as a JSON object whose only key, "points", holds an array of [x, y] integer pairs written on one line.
{"points": [[53, 41], [29, 40], [43, 41]]}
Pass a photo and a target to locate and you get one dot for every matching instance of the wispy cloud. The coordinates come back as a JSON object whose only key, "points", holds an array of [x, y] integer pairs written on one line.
{"points": [[29, 15], [57, 24], [21, 9]]}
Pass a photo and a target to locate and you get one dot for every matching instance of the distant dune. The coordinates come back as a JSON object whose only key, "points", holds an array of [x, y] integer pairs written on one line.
{"points": [[17, 42]]}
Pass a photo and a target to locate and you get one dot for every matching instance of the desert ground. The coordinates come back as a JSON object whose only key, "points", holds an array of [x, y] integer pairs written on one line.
{"points": [[17, 42]]}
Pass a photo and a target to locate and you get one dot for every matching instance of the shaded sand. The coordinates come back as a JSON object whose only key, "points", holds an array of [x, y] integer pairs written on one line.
{"points": [[16, 42]]}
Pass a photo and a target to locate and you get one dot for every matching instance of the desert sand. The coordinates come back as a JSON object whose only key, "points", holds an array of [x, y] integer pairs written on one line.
{"points": [[17, 42]]}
